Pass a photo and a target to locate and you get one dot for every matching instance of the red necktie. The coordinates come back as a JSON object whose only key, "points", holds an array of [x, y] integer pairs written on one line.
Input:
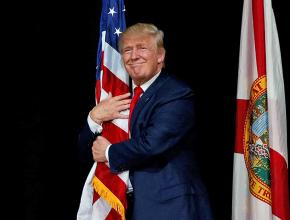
{"points": [[137, 93]]}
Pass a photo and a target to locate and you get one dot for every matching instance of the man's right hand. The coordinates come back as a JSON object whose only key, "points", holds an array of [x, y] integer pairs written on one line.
{"points": [[111, 108]]}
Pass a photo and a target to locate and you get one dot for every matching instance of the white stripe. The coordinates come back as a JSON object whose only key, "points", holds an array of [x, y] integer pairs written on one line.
{"points": [[276, 217], [125, 177], [275, 84], [103, 39], [104, 94], [122, 123], [100, 209], [244, 205], [247, 60], [85, 208], [113, 61]]}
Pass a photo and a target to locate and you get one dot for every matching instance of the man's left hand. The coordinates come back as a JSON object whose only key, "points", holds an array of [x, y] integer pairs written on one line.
{"points": [[99, 149]]}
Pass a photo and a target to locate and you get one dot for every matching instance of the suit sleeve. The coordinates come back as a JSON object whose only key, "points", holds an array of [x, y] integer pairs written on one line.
{"points": [[85, 140], [170, 124]]}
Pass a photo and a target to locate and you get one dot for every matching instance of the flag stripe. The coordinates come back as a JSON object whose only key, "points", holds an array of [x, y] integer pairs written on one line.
{"points": [[109, 179], [119, 133], [242, 106], [122, 123], [280, 193], [113, 215], [259, 33], [111, 83], [112, 61], [101, 209]]}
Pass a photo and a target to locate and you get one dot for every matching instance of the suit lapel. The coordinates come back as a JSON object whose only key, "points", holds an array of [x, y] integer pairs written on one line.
{"points": [[147, 96]]}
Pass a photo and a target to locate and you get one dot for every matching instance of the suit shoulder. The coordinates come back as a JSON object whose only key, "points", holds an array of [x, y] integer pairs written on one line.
{"points": [[176, 86]]}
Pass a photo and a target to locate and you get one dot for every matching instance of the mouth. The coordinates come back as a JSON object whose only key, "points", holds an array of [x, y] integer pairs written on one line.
{"points": [[135, 64]]}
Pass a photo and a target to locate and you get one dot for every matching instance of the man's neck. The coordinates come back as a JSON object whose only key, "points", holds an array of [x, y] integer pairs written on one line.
{"points": [[146, 84]]}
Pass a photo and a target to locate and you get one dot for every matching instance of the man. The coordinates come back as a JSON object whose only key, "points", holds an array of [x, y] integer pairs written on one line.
{"points": [[160, 152]]}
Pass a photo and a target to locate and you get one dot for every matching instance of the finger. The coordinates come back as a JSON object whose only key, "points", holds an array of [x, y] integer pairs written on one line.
{"points": [[123, 107], [121, 116], [121, 97], [99, 138], [124, 102]]}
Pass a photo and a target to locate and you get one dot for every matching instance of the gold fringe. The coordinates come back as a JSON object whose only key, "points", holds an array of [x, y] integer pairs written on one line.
{"points": [[106, 194]]}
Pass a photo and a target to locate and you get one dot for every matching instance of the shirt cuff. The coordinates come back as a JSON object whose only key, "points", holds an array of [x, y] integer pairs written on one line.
{"points": [[107, 154], [95, 127]]}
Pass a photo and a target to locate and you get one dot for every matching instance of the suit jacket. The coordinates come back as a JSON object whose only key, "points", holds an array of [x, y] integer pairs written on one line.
{"points": [[160, 154]]}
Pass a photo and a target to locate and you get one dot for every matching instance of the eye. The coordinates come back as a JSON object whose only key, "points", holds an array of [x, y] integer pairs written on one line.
{"points": [[127, 50]]}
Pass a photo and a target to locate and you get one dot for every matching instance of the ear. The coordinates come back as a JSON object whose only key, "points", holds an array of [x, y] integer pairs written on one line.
{"points": [[161, 55]]}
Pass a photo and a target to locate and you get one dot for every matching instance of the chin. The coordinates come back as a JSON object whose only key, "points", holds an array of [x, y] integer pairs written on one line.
{"points": [[136, 74]]}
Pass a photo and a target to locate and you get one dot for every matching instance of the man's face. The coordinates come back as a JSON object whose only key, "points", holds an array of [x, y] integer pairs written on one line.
{"points": [[141, 57]]}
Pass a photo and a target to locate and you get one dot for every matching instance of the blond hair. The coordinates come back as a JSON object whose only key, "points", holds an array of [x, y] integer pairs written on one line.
{"points": [[143, 28]]}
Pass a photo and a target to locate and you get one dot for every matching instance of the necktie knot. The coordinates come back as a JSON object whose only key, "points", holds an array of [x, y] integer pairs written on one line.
{"points": [[137, 91]]}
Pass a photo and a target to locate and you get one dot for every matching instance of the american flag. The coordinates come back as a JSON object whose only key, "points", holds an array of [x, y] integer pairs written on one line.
{"points": [[104, 193]]}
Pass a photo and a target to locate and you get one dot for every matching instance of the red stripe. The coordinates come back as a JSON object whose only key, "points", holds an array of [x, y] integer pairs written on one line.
{"points": [[241, 114], [279, 185], [259, 33], [113, 84], [95, 197], [113, 133], [112, 181], [98, 91], [98, 84]]}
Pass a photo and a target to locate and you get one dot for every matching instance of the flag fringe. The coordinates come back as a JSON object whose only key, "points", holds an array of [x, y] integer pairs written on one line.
{"points": [[106, 194]]}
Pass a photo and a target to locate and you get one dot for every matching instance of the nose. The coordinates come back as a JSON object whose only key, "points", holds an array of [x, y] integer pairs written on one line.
{"points": [[135, 53]]}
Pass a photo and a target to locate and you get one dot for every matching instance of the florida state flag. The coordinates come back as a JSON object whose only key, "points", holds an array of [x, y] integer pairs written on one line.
{"points": [[260, 175]]}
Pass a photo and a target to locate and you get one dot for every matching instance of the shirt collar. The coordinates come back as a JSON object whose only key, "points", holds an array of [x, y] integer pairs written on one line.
{"points": [[146, 85]]}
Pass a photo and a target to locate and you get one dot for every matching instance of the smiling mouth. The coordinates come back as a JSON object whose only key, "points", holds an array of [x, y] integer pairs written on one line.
{"points": [[135, 64]]}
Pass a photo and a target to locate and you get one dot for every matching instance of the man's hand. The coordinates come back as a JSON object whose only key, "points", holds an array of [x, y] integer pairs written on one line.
{"points": [[111, 108], [99, 149]]}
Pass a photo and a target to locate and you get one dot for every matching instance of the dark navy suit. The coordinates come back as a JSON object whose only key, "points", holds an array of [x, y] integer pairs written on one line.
{"points": [[160, 154]]}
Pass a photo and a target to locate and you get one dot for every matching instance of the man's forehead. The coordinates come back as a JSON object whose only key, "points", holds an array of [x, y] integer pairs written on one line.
{"points": [[137, 39], [137, 36]]}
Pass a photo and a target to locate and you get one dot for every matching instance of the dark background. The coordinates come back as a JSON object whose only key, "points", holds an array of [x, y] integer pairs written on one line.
{"points": [[57, 80]]}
